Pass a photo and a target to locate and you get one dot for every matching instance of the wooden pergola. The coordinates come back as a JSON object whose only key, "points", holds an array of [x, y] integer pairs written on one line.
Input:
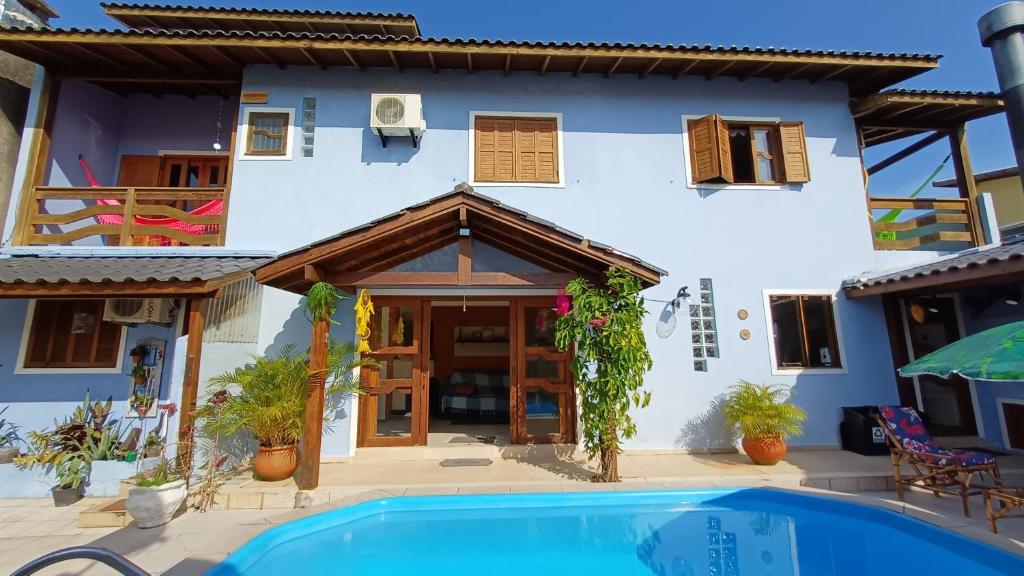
{"points": [[934, 115], [366, 256]]}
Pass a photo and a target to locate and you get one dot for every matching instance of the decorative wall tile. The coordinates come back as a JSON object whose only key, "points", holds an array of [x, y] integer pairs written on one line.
{"points": [[703, 326]]}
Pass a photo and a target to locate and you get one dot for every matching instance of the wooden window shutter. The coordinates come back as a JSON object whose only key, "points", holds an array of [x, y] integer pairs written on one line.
{"points": [[536, 150], [495, 149], [794, 152], [72, 334], [710, 157]]}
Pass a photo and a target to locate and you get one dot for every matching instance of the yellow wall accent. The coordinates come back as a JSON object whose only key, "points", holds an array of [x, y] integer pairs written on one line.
{"points": [[1008, 198]]}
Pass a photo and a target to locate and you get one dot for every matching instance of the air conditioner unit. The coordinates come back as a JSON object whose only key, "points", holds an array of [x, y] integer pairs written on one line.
{"points": [[138, 310], [397, 115]]}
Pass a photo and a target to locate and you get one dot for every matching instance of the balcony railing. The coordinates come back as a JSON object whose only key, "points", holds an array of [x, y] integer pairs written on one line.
{"points": [[923, 224], [126, 216]]}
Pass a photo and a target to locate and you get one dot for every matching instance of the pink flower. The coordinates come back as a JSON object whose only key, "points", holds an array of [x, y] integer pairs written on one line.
{"points": [[598, 322], [563, 303], [170, 408]]}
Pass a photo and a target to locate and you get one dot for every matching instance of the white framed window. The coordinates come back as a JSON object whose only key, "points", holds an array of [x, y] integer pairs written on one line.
{"points": [[767, 152], [69, 336], [267, 133], [518, 149], [804, 334]]}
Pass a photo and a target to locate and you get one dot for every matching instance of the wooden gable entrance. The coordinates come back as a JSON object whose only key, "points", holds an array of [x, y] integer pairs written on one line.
{"points": [[459, 243]]}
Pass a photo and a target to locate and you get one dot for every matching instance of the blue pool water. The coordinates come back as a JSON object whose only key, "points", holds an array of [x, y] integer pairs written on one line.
{"points": [[726, 532]]}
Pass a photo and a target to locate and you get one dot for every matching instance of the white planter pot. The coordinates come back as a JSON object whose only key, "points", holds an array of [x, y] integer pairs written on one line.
{"points": [[155, 505]]}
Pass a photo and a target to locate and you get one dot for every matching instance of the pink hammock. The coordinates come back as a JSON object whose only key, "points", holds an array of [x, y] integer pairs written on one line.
{"points": [[211, 208]]}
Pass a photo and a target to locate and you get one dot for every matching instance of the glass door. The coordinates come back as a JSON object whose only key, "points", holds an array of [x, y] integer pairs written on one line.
{"points": [[932, 322], [544, 393], [394, 409]]}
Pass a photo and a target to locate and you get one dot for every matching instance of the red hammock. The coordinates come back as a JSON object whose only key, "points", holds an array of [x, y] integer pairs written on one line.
{"points": [[211, 208]]}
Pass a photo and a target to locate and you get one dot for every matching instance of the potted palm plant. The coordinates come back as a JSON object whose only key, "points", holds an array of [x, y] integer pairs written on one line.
{"points": [[157, 494], [267, 399], [760, 414]]}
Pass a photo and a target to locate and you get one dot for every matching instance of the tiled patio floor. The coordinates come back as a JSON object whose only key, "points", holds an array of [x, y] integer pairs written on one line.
{"points": [[194, 542]]}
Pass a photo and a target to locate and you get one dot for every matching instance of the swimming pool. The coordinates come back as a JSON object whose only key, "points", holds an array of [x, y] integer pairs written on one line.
{"points": [[721, 532]]}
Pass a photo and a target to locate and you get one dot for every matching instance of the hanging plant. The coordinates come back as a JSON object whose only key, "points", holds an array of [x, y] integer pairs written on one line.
{"points": [[322, 301], [606, 325]]}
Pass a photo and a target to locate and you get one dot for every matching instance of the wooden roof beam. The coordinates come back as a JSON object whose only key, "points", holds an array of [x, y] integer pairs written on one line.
{"points": [[141, 53], [544, 66], [313, 59], [909, 150], [579, 67], [756, 71], [356, 63], [611, 70], [682, 70], [270, 59], [831, 74], [469, 62], [198, 63], [714, 73], [108, 59], [901, 111], [792, 72], [223, 53], [649, 68], [508, 64], [433, 63], [394, 60]]}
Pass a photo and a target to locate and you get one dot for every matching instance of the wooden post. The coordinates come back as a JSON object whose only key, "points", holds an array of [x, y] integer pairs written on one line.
{"points": [[308, 474], [190, 386], [38, 156], [129, 219], [965, 180]]}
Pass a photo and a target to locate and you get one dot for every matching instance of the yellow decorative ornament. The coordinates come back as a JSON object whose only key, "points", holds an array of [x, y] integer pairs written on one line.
{"points": [[364, 310], [399, 336]]}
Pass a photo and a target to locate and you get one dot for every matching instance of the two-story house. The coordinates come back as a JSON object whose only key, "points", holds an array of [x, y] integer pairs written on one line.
{"points": [[185, 180]]}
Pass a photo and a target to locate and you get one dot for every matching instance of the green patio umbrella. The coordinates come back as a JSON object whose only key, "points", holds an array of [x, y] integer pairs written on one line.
{"points": [[995, 354]]}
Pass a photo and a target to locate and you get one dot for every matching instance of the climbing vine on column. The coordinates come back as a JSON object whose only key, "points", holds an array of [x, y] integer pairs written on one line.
{"points": [[606, 324]]}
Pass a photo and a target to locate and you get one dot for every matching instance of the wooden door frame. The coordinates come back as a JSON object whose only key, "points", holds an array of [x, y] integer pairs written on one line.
{"points": [[902, 303], [420, 377], [517, 388]]}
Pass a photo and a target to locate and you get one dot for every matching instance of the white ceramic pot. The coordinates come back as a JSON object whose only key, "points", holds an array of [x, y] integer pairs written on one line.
{"points": [[8, 454], [153, 506]]}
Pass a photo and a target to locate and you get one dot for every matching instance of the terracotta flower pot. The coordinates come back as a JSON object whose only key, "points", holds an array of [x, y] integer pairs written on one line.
{"points": [[276, 462], [765, 451]]}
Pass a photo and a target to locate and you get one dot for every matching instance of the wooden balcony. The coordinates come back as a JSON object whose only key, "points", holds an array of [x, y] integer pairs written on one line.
{"points": [[946, 224], [119, 216]]}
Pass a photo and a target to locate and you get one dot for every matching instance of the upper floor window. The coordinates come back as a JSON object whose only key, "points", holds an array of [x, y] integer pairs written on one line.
{"points": [[71, 334], [803, 330], [268, 133], [516, 149], [746, 152]]}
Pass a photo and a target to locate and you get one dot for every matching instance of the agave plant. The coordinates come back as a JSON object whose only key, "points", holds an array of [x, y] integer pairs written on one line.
{"points": [[268, 397], [760, 411], [87, 426]]}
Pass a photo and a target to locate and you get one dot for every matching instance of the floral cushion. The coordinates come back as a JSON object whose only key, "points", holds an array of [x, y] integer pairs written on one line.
{"points": [[905, 423]]}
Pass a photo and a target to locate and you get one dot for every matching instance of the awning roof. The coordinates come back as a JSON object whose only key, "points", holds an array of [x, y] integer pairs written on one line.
{"points": [[896, 114], [356, 255], [128, 60], [184, 17], [115, 276], [995, 265]]}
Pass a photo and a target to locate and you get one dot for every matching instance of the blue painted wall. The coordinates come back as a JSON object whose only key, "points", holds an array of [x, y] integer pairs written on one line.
{"points": [[35, 400], [625, 185]]}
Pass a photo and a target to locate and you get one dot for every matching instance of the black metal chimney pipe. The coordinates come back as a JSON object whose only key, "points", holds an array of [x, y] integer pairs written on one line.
{"points": [[1002, 31]]}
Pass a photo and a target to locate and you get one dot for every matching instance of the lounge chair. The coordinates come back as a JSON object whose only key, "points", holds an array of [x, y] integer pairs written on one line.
{"points": [[1009, 499], [937, 469]]}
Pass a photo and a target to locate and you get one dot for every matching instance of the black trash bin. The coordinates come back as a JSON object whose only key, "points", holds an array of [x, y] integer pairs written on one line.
{"points": [[859, 431]]}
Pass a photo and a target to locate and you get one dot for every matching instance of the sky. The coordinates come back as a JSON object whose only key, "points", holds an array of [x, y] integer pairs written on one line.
{"points": [[946, 27]]}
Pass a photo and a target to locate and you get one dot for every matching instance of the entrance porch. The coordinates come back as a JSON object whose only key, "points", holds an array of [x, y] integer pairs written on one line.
{"points": [[463, 330]]}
